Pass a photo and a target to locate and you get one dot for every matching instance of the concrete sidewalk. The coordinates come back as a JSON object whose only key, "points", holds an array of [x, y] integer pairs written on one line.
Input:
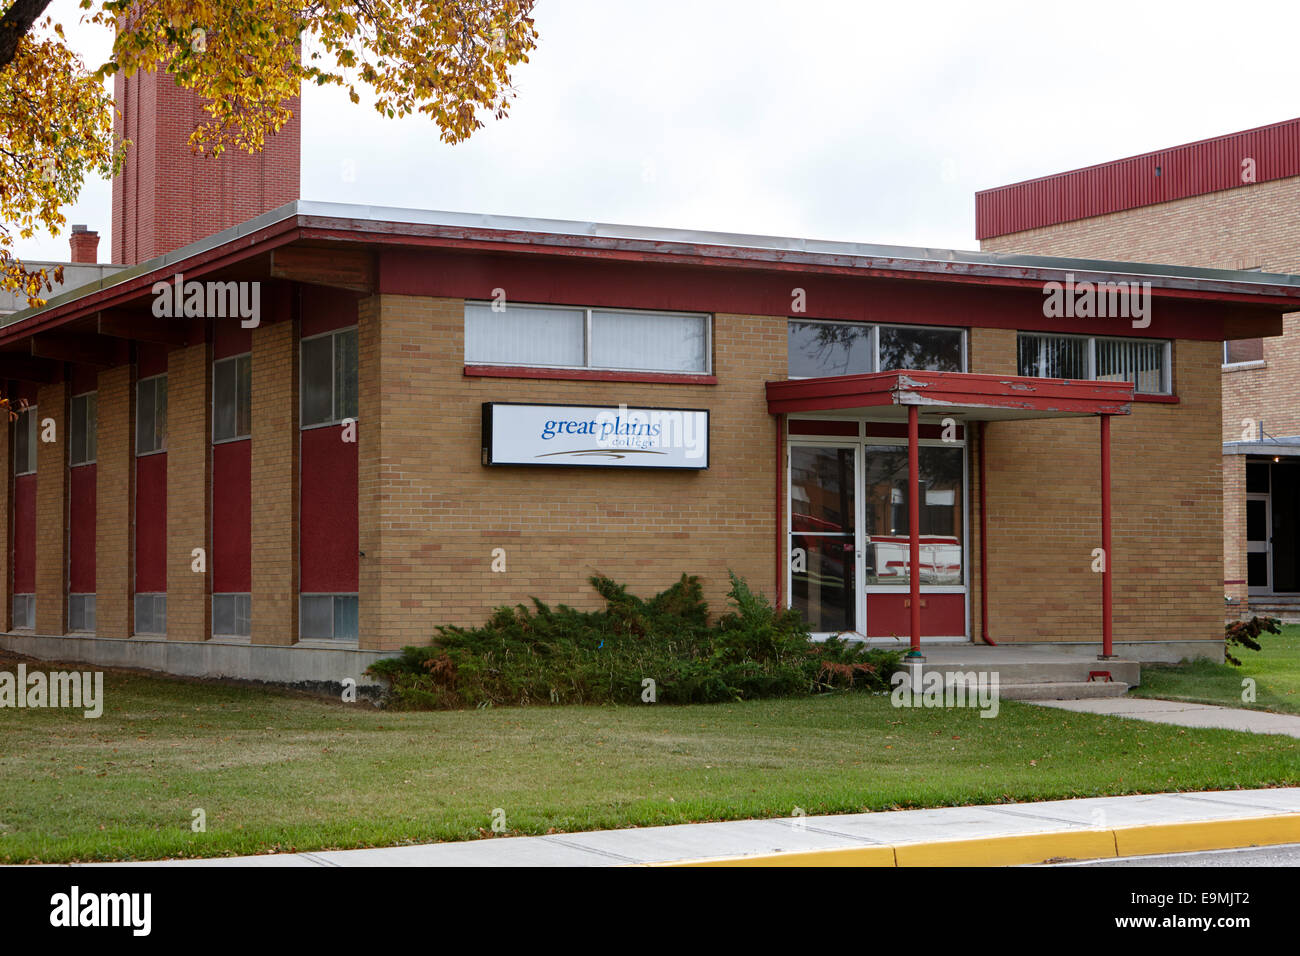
{"points": [[1183, 714], [999, 835]]}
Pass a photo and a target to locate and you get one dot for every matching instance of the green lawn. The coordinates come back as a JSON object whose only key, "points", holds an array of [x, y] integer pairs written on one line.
{"points": [[1275, 670], [281, 771]]}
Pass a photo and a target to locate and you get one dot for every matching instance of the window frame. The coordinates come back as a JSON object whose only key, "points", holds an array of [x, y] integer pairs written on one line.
{"points": [[153, 380], [1245, 363], [233, 594], [333, 422], [587, 366], [29, 600], [334, 596], [33, 437], [243, 356], [72, 463], [1167, 359], [87, 597], [874, 328], [135, 622]]}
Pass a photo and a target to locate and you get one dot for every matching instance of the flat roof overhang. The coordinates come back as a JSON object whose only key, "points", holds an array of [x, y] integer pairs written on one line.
{"points": [[961, 395]]}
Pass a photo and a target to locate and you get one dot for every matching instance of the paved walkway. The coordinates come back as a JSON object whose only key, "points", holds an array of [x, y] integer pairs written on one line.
{"points": [[1183, 714], [1002, 834]]}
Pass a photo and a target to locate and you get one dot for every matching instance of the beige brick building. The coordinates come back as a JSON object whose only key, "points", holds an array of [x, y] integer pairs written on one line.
{"points": [[1227, 203], [401, 436]]}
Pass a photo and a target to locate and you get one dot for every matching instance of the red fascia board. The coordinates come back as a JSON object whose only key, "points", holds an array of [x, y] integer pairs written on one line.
{"points": [[758, 258], [954, 389], [237, 250]]}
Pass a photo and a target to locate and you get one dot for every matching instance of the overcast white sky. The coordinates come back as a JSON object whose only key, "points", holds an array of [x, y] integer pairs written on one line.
{"points": [[866, 121]]}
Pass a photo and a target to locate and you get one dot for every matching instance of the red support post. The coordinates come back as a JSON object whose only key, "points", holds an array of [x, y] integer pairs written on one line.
{"points": [[1106, 622], [914, 523]]}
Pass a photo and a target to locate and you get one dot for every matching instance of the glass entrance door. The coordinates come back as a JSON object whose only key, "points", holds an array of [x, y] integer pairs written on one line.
{"points": [[849, 548], [823, 524]]}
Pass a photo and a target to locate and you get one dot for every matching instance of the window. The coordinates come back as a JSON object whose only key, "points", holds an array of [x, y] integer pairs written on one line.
{"points": [[25, 442], [81, 613], [547, 336], [151, 415], [328, 617], [329, 378], [1144, 362], [232, 615], [1243, 350], [232, 396], [84, 414], [821, 349], [151, 614], [25, 611]]}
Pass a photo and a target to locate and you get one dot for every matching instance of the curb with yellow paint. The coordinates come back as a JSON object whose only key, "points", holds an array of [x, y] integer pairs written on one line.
{"points": [[1020, 848]]}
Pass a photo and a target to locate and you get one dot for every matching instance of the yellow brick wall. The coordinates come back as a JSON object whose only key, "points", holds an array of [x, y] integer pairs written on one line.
{"points": [[431, 514], [189, 444], [274, 475], [52, 512], [114, 495]]}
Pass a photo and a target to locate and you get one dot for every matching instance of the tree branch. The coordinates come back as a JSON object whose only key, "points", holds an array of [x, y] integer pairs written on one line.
{"points": [[14, 24]]}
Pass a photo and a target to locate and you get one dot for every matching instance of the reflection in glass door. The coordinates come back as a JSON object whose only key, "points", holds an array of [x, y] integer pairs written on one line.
{"points": [[822, 526], [1258, 567]]}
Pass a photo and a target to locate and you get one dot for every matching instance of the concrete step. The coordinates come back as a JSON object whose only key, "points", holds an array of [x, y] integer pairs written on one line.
{"points": [[1063, 690], [1063, 671]]}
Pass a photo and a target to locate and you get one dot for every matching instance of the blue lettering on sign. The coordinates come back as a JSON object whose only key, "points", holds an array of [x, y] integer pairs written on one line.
{"points": [[618, 428]]}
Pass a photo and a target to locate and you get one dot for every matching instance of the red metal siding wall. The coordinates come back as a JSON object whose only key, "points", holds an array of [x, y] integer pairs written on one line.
{"points": [[25, 534], [81, 530], [151, 523], [1189, 170], [232, 509], [232, 486], [329, 528]]}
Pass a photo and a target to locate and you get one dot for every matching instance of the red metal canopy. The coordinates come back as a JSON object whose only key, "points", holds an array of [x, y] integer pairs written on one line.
{"points": [[959, 394], [902, 394]]}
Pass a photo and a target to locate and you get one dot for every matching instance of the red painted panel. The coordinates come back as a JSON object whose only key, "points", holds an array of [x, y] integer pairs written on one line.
{"points": [[942, 615], [232, 509], [229, 338], [81, 529], [328, 529], [150, 359], [899, 430], [1193, 169], [151, 523], [25, 534], [640, 285], [804, 426], [324, 310], [84, 378]]}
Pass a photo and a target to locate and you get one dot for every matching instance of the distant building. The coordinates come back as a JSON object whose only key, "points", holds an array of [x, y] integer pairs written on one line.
{"points": [[1231, 202]]}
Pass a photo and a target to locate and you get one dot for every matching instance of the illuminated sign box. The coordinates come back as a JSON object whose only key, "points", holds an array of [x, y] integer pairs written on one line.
{"points": [[595, 436]]}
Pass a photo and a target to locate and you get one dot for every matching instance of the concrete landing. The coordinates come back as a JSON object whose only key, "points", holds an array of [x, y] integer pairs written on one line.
{"points": [[1185, 714], [1035, 673]]}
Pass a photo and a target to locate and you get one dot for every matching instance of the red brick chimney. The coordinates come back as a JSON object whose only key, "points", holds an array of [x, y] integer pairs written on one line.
{"points": [[165, 196], [85, 244]]}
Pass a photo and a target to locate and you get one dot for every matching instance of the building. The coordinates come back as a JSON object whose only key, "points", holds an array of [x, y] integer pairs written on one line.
{"points": [[289, 495], [1230, 202], [291, 437], [84, 268]]}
